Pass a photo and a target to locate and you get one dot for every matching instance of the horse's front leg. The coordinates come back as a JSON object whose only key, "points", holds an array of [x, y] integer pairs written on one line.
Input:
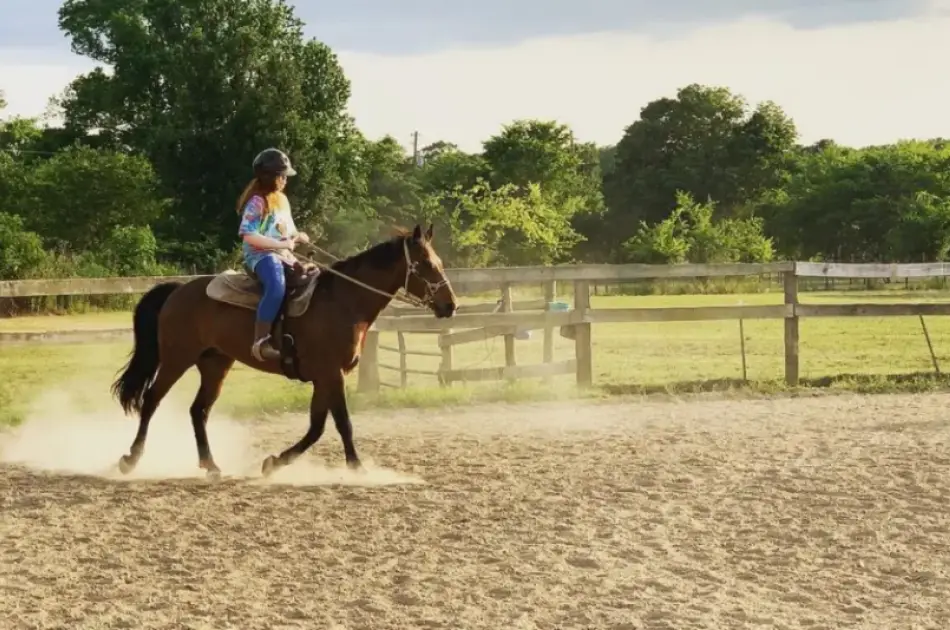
{"points": [[341, 418], [319, 405]]}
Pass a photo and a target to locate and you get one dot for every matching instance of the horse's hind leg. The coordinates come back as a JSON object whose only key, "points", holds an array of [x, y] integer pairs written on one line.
{"points": [[168, 375], [214, 368]]}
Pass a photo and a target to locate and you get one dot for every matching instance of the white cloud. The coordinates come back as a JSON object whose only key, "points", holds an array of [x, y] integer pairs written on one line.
{"points": [[27, 87], [859, 84]]}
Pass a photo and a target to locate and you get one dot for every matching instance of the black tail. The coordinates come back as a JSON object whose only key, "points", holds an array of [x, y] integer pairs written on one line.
{"points": [[138, 373]]}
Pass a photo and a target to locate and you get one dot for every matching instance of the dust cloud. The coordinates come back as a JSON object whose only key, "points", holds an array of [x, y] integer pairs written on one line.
{"points": [[73, 430]]}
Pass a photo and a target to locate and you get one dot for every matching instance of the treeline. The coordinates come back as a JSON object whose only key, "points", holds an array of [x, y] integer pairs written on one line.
{"points": [[142, 173]]}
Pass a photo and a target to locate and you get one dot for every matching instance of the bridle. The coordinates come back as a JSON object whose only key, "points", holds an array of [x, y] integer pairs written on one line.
{"points": [[412, 269]]}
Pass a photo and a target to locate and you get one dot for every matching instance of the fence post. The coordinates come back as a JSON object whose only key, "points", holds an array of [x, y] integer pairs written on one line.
{"points": [[550, 291], [446, 364], [507, 306], [582, 338], [403, 361], [790, 283], [369, 364]]}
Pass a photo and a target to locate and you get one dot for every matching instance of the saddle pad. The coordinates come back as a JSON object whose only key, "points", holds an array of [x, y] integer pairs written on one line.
{"points": [[239, 289]]}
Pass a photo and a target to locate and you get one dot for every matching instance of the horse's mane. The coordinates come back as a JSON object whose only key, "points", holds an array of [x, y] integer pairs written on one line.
{"points": [[380, 256]]}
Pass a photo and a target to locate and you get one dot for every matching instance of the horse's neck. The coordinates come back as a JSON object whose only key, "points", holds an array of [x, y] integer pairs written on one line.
{"points": [[367, 304]]}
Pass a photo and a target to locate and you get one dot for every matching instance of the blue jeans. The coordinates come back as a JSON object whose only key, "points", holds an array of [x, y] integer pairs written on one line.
{"points": [[270, 271]]}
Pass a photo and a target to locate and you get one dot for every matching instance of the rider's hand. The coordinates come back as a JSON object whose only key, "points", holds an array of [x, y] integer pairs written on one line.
{"points": [[302, 237], [288, 244]]}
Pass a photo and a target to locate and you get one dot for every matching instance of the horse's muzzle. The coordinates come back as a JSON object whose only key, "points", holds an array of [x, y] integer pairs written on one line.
{"points": [[444, 309]]}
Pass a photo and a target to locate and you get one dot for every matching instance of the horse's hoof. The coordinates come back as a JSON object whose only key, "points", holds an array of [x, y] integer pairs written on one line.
{"points": [[270, 464], [126, 464], [213, 475], [356, 466]]}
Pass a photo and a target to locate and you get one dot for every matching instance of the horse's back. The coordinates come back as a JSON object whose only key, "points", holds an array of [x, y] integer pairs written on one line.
{"points": [[189, 312]]}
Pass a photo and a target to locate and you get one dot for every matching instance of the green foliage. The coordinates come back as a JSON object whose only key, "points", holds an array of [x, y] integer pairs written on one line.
{"points": [[545, 153], [77, 198], [507, 225], [131, 251], [445, 168], [691, 234], [21, 251], [922, 232], [18, 134], [876, 204]]}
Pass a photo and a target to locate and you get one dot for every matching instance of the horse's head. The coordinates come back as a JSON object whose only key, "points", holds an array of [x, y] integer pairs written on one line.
{"points": [[425, 276]]}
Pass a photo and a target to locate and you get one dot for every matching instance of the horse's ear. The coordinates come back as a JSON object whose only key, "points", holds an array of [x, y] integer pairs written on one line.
{"points": [[417, 233], [429, 232]]}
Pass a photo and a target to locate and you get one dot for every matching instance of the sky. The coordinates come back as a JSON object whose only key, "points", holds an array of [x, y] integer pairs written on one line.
{"points": [[857, 71]]}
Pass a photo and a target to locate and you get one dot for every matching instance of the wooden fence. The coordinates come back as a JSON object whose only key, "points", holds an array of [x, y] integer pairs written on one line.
{"points": [[506, 318]]}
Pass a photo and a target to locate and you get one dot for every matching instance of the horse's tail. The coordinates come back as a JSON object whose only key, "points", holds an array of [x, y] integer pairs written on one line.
{"points": [[142, 366]]}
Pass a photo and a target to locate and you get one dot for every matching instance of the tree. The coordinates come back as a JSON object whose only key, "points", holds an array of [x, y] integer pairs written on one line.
{"points": [[546, 153], [390, 195], [507, 225], [17, 133], [702, 142], [392, 183], [596, 228], [447, 168], [922, 232], [436, 149], [199, 88], [875, 204], [80, 195]]}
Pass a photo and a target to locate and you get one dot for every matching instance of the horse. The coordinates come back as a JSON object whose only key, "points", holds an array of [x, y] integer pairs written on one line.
{"points": [[179, 325]]}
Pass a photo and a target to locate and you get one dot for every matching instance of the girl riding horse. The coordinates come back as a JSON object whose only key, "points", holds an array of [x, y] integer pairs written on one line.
{"points": [[269, 234]]}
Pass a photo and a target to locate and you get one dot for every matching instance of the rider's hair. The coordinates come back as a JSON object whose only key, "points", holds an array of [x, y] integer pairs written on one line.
{"points": [[265, 186]]}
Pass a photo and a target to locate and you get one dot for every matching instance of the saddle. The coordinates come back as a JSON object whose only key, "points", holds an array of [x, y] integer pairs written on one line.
{"points": [[243, 289]]}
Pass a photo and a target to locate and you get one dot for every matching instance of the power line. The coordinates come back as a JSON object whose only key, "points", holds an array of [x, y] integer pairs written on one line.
{"points": [[15, 151]]}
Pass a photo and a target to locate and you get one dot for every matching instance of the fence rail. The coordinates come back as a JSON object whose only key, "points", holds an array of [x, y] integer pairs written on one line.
{"points": [[464, 280], [507, 318]]}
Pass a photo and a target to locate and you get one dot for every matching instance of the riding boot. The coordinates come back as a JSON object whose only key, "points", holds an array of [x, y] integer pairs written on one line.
{"points": [[263, 348]]}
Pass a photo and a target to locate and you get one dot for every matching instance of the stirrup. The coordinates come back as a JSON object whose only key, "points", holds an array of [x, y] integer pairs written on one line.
{"points": [[256, 348]]}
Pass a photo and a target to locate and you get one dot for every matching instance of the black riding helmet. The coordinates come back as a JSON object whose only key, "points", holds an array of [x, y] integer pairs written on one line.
{"points": [[273, 162]]}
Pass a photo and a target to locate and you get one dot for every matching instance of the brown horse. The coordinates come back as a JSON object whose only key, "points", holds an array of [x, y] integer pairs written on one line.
{"points": [[177, 326]]}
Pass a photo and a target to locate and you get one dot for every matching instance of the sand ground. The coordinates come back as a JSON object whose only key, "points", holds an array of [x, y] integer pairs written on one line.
{"points": [[813, 513]]}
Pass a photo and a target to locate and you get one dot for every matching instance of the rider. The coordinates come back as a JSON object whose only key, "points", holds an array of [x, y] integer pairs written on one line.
{"points": [[269, 235]]}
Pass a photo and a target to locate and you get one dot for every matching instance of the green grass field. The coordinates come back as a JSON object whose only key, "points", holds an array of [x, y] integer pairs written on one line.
{"points": [[865, 354]]}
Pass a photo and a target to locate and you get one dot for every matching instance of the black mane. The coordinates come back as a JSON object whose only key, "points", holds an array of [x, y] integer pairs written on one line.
{"points": [[379, 256]]}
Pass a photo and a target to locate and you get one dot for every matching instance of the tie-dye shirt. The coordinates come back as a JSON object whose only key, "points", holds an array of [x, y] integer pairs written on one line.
{"points": [[278, 224]]}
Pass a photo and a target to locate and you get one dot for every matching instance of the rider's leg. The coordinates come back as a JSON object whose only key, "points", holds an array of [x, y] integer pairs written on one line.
{"points": [[270, 272]]}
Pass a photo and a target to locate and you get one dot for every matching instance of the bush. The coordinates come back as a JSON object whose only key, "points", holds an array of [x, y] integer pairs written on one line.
{"points": [[21, 251], [690, 234]]}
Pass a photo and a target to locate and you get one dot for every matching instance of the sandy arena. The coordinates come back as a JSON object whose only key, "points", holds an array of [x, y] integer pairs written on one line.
{"points": [[826, 512]]}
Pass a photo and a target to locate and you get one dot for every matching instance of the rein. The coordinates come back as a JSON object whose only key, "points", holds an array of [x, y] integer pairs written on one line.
{"points": [[406, 297]]}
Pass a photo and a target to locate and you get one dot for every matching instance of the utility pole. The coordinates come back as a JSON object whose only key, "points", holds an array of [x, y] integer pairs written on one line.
{"points": [[415, 149]]}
